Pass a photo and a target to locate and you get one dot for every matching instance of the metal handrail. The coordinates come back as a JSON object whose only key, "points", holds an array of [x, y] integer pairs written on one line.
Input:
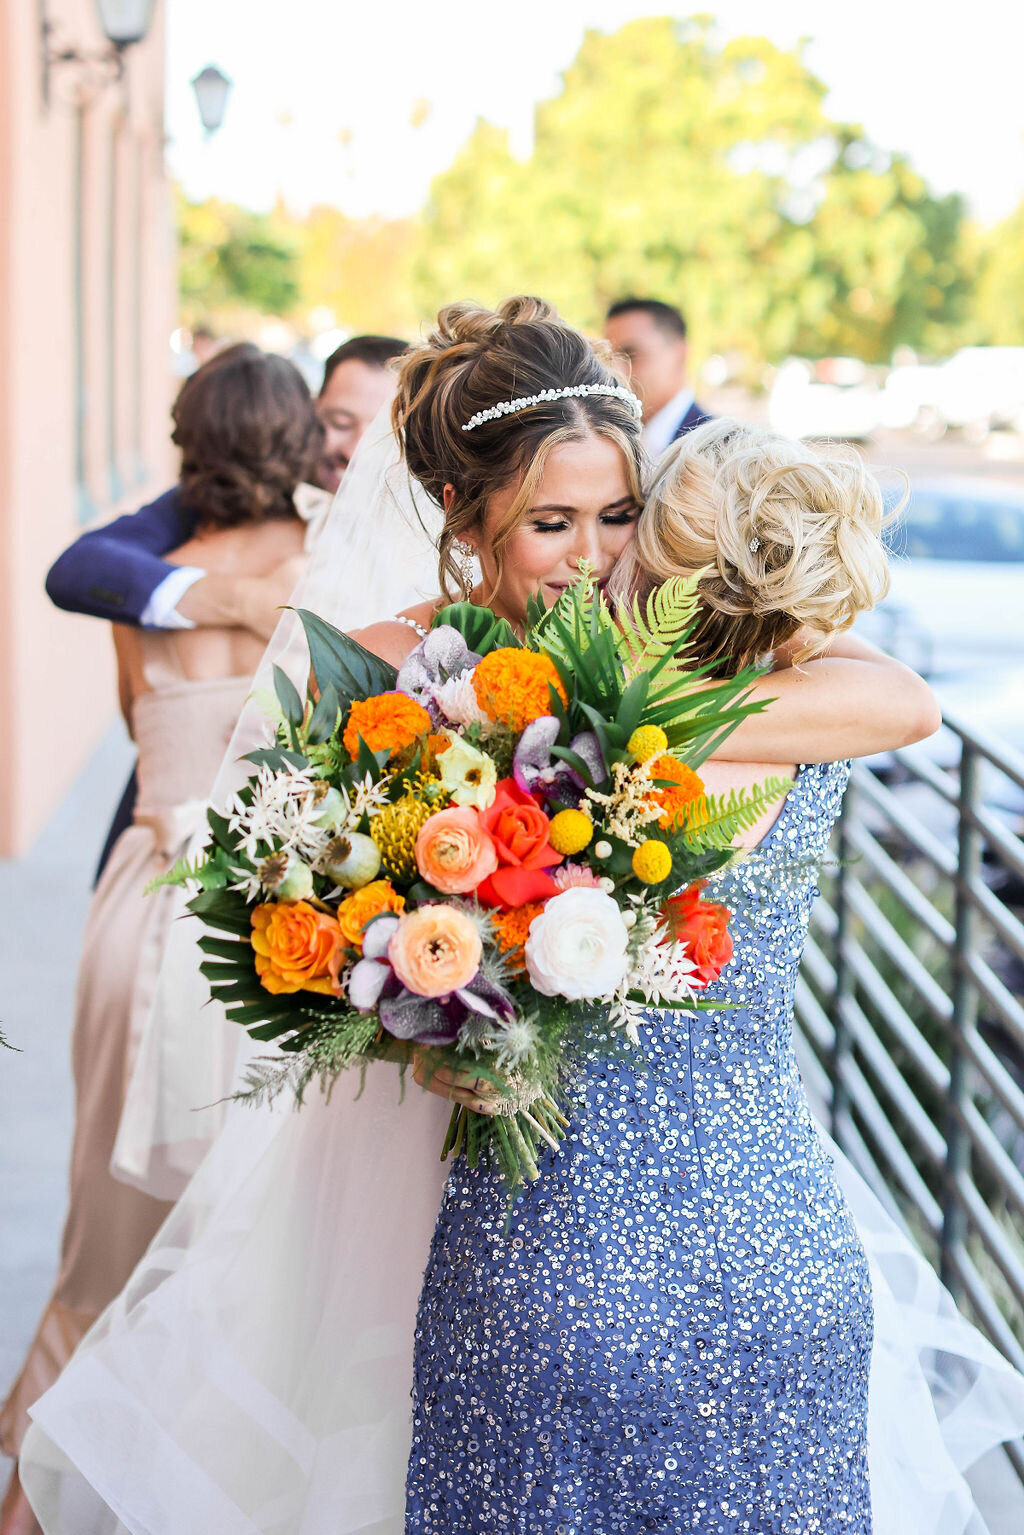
{"points": [[910, 1019]]}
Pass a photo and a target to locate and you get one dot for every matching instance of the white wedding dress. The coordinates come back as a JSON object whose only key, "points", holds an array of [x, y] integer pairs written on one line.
{"points": [[254, 1377]]}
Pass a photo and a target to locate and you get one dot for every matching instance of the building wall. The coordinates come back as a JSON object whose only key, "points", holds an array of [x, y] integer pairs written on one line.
{"points": [[86, 309]]}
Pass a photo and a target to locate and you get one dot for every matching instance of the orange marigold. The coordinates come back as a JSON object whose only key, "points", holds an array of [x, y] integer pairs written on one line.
{"points": [[389, 719], [687, 790], [511, 929], [511, 686]]}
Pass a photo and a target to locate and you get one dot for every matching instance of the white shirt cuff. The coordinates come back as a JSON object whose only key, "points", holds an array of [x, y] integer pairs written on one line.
{"points": [[161, 611]]}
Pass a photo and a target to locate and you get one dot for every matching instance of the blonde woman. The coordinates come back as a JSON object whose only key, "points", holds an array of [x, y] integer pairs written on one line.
{"points": [[675, 1332]]}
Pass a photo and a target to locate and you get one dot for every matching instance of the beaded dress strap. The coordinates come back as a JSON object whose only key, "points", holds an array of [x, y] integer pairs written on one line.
{"points": [[400, 618]]}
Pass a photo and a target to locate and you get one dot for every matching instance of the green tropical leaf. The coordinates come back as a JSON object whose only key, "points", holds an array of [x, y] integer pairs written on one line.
{"points": [[325, 717], [481, 629], [292, 707], [337, 658], [224, 909], [650, 637]]}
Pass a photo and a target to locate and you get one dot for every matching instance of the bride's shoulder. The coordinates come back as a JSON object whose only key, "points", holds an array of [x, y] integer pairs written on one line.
{"points": [[393, 638]]}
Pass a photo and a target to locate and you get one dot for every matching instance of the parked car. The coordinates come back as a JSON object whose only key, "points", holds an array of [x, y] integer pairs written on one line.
{"points": [[981, 388], [956, 603], [836, 397]]}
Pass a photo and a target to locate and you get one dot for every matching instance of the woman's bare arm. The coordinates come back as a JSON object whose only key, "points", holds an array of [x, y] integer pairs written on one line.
{"points": [[851, 701]]}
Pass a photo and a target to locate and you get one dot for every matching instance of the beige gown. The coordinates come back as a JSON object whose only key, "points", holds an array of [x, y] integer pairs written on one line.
{"points": [[181, 729]]}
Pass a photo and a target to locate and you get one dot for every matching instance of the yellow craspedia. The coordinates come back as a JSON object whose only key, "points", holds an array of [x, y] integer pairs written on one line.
{"points": [[647, 741], [652, 862], [570, 832]]}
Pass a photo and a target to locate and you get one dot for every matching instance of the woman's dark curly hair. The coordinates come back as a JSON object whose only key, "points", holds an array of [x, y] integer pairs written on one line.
{"points": [[248, 434]]}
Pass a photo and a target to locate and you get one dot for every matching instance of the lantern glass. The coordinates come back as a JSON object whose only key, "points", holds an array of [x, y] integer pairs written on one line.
{"points": [[125, 22], [211, 87]]}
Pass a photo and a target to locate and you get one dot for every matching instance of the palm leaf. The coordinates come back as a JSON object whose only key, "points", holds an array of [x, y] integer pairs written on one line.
{"points": [[337, 658]]}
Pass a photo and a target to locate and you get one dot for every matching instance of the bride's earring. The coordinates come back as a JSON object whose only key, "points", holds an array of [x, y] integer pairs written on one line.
{"points": [[465, 559]]}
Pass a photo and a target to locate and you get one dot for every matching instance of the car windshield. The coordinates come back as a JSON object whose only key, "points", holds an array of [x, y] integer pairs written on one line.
{"points": [[935, 527]]}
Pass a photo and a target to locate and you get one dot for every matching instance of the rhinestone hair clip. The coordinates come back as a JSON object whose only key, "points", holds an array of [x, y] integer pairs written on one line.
{"points": [[574, 391]]}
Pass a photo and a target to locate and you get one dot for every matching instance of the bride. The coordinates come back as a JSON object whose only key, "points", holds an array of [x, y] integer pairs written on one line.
{"points": [[676, 1332]]}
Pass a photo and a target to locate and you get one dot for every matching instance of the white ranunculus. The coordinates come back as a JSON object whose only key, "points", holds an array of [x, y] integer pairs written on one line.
{"points": [[576, 947]]}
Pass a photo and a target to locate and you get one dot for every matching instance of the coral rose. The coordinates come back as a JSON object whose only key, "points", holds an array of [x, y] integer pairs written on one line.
{"points": [[435, 950], [453, 851], [519, 830], [294, 945], [363, 905], [704, 927]]}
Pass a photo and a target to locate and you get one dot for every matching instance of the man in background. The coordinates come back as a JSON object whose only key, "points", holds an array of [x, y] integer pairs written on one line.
{"points": [[651, 337], [118, 573]]}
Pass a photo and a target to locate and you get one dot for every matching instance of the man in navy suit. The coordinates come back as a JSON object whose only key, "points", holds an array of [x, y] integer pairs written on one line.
{"points": [[651, 336], [119, 573]]}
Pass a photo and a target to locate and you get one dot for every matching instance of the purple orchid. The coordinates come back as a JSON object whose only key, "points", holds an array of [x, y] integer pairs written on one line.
{"points": [[538, 771], [421, 1020], [443, 654]]}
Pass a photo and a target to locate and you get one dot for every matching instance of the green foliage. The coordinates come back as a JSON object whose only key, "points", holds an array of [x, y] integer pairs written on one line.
{"points": [[718, 819], [340, 662], [711, 175], [479, 627], [233, 258]]}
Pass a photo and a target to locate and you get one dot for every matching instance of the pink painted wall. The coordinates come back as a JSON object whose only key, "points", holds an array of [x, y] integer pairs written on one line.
{"points": [[57, 685]]}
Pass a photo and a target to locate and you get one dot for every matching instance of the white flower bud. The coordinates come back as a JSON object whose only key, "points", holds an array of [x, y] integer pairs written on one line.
{"points": [[629, 919], [602, 849], [606, 884]]}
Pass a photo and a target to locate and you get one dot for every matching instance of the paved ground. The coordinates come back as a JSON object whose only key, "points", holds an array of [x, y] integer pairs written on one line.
{"points": [[43, 898]]}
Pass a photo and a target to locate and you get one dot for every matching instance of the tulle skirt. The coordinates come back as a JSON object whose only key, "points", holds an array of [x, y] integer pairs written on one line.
{"points": [[255, 1375]]}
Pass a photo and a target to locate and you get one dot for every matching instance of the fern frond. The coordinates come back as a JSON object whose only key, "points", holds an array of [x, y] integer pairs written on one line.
{"points": [[646, 636], [204, 870], [716, 820]]}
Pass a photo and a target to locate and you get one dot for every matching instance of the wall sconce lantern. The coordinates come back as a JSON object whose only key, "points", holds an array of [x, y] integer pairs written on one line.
{"points": [[123, 23], [212, 89]]}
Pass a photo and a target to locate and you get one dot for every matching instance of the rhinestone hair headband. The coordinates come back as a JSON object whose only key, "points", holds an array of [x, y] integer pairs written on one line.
{"points": [[573, 391]]}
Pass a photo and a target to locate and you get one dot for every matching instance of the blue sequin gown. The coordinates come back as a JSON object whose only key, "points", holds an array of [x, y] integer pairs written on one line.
{"points": [[675, 1334]]}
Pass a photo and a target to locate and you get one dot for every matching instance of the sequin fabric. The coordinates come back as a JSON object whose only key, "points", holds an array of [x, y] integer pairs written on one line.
{"points": [[674, 1334]]}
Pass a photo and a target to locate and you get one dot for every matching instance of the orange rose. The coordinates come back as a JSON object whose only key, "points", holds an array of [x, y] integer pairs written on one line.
{"points": [[519, 830], [294, 946], [435, 950], [369, 901], [454, 852], [704, 928]]}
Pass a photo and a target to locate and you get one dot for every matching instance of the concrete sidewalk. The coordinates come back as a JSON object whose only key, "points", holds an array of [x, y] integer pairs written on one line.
{"points": [[44, 898]]}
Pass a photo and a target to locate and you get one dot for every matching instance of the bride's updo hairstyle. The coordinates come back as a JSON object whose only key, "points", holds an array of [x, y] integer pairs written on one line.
{"points": [[473, 360], [786, 538]]}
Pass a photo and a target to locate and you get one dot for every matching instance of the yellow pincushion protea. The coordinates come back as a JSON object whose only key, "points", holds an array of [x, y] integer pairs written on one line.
{"points": [[652, 862], [395, 831], [570, 832], [647, 741]]}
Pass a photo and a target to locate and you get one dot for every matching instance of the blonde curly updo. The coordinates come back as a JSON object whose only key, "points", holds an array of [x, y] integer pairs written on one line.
{"points": [[471, 360], [787, 537]]}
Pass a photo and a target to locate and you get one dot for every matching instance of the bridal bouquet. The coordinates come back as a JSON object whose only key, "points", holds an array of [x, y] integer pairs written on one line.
{"points": [[492, 857]]}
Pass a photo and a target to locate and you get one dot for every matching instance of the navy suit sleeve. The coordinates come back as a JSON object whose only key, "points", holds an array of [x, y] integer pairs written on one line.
{"points": [[112, 572]]}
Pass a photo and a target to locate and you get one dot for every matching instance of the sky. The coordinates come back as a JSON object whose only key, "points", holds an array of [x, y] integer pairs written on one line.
{"points": [[360, 103]]}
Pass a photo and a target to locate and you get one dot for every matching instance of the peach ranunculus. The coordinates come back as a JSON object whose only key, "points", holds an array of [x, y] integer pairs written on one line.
{"points": [[519, 829], [294, 945], [435, 950], [454, 852], [358, 908]]}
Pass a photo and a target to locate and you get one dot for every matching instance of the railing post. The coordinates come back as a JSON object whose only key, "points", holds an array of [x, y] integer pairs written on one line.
{"points": [[843, 988], [964, 1017]]}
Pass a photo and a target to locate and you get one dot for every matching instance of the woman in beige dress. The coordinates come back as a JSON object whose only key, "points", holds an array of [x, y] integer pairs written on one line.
{"points": [[248, 433]]}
